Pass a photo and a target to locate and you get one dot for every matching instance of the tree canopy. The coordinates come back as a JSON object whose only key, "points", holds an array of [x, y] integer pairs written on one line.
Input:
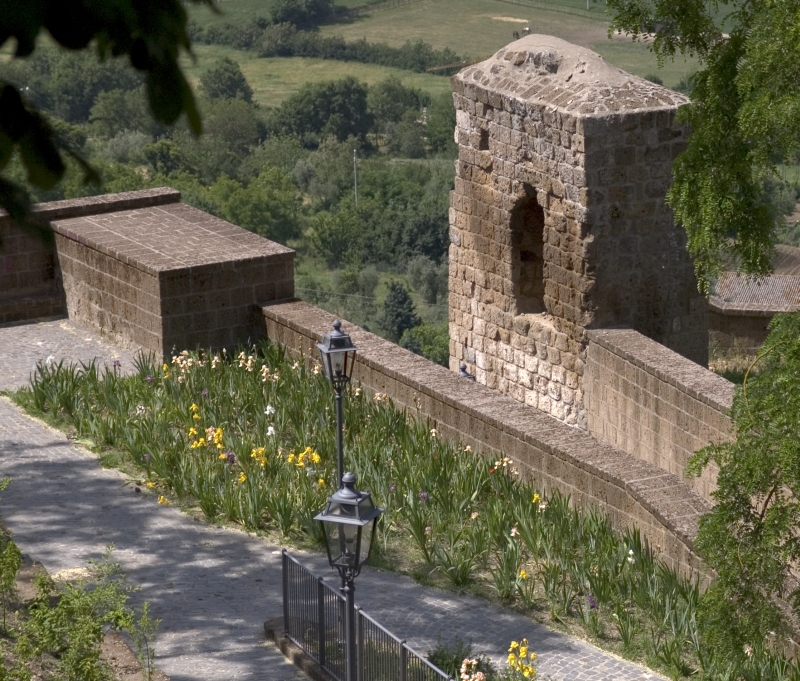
{"points": [[225, 80], [150, 33], [745, 115], [750, 537]]}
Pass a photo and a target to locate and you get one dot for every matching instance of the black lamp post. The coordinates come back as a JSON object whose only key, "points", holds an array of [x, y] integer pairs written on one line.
{"points": [[349, 522], [338, 356]]}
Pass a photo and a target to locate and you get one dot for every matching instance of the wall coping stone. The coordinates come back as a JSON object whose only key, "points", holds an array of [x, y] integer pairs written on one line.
{"points": [[174, 238], [667, 365], [662, 494], [741, 309], [104, 203]]}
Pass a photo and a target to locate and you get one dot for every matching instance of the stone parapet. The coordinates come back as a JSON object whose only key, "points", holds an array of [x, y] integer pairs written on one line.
{"points": [[633, 492], [654, 404], [169, 277], [30, 280]]}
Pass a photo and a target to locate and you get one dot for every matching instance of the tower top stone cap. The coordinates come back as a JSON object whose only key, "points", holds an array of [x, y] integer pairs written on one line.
{"points": [[543, 70]]}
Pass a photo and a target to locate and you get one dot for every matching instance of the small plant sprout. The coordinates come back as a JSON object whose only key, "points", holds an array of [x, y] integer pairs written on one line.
{"points": [[10, 561], [143, 634]]}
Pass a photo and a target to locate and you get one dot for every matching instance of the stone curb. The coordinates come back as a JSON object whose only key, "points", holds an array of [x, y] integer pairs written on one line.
{"points": [[273, 630]]}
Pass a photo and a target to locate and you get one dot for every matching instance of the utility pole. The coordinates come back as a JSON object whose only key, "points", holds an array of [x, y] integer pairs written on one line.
{"points": [[355, 175]]}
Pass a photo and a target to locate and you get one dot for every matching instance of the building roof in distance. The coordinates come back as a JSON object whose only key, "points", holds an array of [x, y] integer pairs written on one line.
{"points": [[738, 294]]}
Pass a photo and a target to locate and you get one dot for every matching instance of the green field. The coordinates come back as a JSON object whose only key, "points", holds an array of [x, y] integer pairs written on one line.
{"points": [[790, 173], [274, 79], [478, 28]]}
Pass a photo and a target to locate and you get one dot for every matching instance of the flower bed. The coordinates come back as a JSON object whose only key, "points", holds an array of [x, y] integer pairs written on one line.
{"points": [[251, 438]]}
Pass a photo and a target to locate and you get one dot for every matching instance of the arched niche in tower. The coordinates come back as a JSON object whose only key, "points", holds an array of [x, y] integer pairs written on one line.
{"points": [[527, 243]]}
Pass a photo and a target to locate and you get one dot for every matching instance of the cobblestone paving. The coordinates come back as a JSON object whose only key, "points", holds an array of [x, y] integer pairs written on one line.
{"points": [[213, 588]]}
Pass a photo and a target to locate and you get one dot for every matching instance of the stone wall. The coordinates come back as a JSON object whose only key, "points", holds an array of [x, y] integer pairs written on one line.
{"points": [[745, 331], [169, 277], [558, 221], [654, 404], [30, 279], [29, 287], [631, 491]]}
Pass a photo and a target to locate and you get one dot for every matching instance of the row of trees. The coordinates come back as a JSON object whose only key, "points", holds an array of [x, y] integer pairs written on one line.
{"points": [[285, 39]]}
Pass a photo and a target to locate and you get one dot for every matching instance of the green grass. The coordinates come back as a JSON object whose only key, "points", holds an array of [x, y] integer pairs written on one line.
{"points": [[475, 28], [275, 79], [478, 28], [790, 173], [636, 58]]}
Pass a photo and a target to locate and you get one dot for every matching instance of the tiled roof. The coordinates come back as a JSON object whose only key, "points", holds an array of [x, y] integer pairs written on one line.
{"points": [[738, 294]]}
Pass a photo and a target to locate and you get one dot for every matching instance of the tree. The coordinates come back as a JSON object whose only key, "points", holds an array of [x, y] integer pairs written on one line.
{"points": [[336, 108], [118, 110], [745, 112], [300, 11], [750, 537], [389, 99], [234, 121], [225, 80], [269, 205], [406, 138], [427, 278], [398, 312], [441, 124], [432, 341], [150, 34]]}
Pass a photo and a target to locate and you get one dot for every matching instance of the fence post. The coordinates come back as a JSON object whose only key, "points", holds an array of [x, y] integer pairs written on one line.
{"points": [[321, 620], [403, 662], [360, 629], [285, 575]]}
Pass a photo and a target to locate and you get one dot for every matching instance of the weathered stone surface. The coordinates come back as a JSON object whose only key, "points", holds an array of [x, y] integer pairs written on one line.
{"points": [[557, 225], [654, 404], [169, 276]]}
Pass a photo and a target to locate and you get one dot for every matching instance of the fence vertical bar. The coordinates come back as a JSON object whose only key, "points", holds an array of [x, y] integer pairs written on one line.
{"points": [[321, 619], [360, 627], [403, 661], [285, 574]]}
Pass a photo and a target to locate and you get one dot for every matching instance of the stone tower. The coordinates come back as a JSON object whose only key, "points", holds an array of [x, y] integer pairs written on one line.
{"points": [[558, 222]]}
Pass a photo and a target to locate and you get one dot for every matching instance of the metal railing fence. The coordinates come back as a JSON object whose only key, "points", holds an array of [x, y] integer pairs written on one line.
{"points": [[314, 618]]}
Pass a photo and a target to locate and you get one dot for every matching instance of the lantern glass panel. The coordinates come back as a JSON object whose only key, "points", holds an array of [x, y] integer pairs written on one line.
{"points": [[348, 544], [341, 510], [366, 540], [326, 363], [338, 362]]}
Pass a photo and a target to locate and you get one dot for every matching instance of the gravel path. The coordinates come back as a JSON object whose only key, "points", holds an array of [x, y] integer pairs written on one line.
{"points": [[214, 588]]}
